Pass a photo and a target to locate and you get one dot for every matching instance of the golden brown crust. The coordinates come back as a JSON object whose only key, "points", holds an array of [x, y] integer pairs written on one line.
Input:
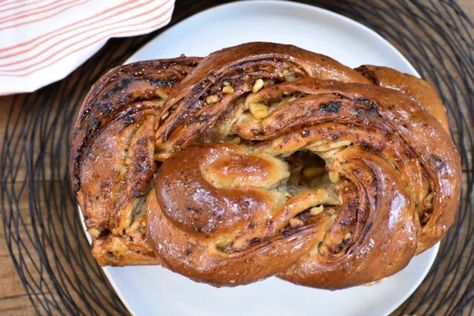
{"points": [[416, 88], [112, 156], [240, 66], [269, 160]]}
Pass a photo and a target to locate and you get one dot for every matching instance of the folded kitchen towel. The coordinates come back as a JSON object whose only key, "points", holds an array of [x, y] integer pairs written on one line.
{"points": [[42, 41]]}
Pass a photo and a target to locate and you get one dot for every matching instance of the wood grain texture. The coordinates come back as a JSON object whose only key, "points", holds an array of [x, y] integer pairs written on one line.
{"points": [[13, 297]]}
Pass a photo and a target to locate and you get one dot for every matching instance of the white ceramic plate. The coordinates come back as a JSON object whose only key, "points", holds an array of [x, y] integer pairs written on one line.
{"points": [[152, 290]]}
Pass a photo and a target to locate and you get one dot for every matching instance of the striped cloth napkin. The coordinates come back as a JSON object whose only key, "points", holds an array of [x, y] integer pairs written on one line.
{"points": [[42, 41]]}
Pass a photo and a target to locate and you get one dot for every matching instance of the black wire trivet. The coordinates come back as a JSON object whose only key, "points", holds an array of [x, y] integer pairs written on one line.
{"points": [[42, 227]]}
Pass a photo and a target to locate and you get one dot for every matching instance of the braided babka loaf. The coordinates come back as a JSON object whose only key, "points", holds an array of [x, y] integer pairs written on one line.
{"points": [[264, 159]]}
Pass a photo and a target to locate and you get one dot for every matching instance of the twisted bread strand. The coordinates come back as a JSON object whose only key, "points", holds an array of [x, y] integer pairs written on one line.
{"points": [[265, 159]]}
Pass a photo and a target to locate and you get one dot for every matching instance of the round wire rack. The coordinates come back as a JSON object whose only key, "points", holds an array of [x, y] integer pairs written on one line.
{"points": [[42, 228]]}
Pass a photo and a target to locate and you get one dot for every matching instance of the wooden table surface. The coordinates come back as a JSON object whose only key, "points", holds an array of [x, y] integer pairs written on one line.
{"points": [[13, 298]]}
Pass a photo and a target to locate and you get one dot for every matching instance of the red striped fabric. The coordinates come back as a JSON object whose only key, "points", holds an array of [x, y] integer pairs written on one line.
{"points": [[43, 41]]}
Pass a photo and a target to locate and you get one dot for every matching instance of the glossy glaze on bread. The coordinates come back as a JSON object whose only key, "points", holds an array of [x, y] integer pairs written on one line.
{"points": [[264, 159]]}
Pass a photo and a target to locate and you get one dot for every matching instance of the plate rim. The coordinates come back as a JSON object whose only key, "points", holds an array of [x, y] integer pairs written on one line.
{"points": [[330, 13]]}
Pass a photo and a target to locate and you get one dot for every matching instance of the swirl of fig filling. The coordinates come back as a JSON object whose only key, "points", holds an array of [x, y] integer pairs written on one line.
{"points": [[265, 159]]}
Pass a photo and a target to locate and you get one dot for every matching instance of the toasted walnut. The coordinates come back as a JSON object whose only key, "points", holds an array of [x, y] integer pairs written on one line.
{"points": [[334, 176], [165, 115], [117, 246], [212, 99], [317, 210], [312, 172], [257, 86], [228, 89], [94, 232], [296, 222], [235, 140], [258, 110]]}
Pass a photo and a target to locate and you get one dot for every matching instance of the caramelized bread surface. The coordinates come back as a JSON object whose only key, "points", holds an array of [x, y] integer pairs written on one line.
{"points": [[264, 159]]}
